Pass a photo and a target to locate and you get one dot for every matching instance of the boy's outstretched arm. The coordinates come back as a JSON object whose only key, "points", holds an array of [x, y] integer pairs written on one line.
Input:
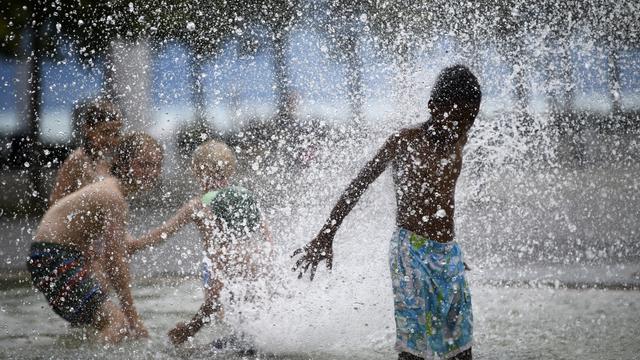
{"points": [[266, 231], [321, 248], [182, 217], [182, 332]]}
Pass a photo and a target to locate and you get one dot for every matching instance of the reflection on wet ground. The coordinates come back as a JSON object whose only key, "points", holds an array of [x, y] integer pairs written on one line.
{"points": [[510, 323]]}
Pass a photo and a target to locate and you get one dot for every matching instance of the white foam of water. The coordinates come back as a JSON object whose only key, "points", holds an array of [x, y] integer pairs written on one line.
{"points": [[348, 310]]}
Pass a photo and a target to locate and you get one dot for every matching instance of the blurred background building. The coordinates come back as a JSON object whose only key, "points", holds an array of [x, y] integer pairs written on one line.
{"points": [[226, 64]]}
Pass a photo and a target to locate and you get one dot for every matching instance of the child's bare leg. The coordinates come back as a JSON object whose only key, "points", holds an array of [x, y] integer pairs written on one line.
{"points": [[111, 323], [96, 264], [465, 355], [116, 267]]}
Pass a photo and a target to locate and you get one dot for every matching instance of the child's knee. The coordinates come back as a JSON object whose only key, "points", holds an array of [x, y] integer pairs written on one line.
{"points": [[113, 334]]}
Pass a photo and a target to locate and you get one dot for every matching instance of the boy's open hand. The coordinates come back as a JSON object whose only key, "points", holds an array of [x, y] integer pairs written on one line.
{"points": [[321, 248]]}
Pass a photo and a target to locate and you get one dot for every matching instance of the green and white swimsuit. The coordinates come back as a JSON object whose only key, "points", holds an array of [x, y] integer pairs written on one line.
{"points": [[237, 209]]}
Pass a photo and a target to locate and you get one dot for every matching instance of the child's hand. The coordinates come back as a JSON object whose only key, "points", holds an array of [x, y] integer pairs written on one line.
{"points": [[180, 333], [321, 248], [195, 205]]}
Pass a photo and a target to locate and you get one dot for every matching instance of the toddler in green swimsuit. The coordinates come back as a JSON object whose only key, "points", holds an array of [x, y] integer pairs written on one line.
{"points": [[236, 240]]}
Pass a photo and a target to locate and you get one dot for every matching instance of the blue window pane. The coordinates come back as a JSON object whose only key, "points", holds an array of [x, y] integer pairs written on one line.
{"points": [[65, 83], [170, 76], [628, 66], [11, 88]]}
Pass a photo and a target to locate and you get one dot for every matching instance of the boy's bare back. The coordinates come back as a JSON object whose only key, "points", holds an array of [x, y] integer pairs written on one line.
{"points": [[81, 217], [77, 171]]}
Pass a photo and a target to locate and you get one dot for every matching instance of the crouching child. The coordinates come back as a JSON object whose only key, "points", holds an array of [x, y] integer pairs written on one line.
{"points": [[78, 254]]}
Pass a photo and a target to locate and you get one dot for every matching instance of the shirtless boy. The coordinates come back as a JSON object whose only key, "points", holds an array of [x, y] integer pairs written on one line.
{"points": [[78, 253], [431, 295], [100, 123]]}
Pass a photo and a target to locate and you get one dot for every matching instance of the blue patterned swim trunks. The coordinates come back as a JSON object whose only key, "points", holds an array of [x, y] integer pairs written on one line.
{"points": [[431, 296]]}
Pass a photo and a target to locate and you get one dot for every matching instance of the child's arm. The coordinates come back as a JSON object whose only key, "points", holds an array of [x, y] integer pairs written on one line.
{"points": [[266, 231], [182, 217], [183, 331], [116, 264], [321, 248]]}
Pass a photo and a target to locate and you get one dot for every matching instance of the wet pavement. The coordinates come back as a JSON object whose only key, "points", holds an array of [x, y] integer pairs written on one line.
{"points": [[510, 323]]}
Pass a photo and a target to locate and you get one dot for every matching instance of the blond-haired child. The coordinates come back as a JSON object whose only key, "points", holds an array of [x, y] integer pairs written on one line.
{"points": [[236, 239]]}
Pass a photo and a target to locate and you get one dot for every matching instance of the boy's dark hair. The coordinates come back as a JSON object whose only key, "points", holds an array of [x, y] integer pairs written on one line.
{"points": [[92, 112], [128, 149], [457, 85], [89, 113]]}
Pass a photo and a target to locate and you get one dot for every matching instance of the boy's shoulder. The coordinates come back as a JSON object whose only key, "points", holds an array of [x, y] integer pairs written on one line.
{"points": [[106, 192], [75, 162], [77, 156], [103, 197], [406, 135]]}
